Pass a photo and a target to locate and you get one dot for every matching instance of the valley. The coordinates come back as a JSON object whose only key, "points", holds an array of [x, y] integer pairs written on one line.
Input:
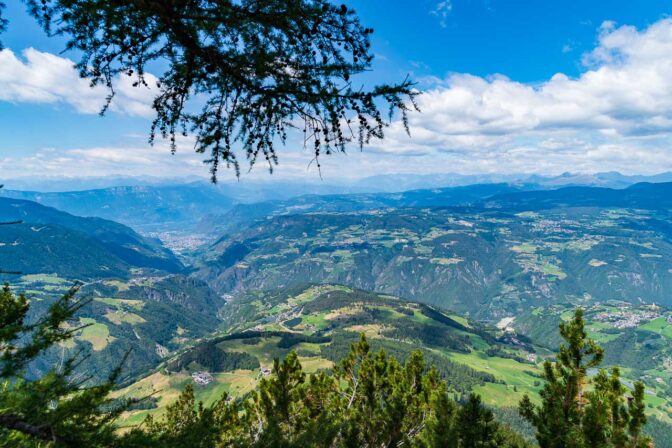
{"points": [[477, 278]]}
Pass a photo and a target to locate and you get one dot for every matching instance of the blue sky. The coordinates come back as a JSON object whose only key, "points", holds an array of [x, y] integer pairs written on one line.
{"points": [[512, 86]]}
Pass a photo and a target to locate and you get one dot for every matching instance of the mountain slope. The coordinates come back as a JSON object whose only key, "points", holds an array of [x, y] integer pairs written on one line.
{"points": [[53, 241], [36, 248], [146, 208], [320, 323], [490, 262], [145, 317], [642, 195], [243, 215]]}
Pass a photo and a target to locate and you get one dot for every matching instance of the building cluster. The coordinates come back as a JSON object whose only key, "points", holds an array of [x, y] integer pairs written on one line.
{"points": [[202, 378], [554, 226], [179, 242], [627, 318]]}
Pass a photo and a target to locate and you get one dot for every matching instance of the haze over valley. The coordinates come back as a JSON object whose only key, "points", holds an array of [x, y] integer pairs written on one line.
{"points": [[307, 224], [478, 276]]}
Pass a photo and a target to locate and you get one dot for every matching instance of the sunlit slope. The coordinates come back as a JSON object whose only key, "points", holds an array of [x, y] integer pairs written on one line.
{"points": [[320, 323], [490, 263]]}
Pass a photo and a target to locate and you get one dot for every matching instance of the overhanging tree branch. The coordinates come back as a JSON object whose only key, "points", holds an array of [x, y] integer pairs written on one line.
{"points": [[16, 423], [240, 74]]}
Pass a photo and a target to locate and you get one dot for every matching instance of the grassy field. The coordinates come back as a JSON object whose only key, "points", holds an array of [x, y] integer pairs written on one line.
{"points": [[384, 320], [660, 326], [118, 317], [120, 304], [96, 333]]}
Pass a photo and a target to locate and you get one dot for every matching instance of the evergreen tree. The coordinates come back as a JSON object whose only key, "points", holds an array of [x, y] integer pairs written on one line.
{"points": [[279, 403], [190, 424], [367, 400], [637, 417], [55, 408], [573, 416], [236, 72], [442, 427], [370, 400], [477, 426]]}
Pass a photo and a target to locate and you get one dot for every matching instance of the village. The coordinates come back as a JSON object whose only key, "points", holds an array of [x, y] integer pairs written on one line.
{"points": [[629, 318]]}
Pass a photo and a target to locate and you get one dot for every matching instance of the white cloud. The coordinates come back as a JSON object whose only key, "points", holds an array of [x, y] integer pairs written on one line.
{"points": [[133, 160], [139, 159], [442, 10], [621, 106], [617, 115], [41, 77]]}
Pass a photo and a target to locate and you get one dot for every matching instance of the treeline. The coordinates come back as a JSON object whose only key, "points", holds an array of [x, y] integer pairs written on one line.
{"points": [[660, 432], [368, 399], [458, 377], [287, 339], [209, 356]]}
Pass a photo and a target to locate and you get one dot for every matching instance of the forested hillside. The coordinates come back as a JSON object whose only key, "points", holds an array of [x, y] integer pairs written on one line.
{"points": [[489, 261], [136, 300], [321, 322], [48, 239], [244, 215]]}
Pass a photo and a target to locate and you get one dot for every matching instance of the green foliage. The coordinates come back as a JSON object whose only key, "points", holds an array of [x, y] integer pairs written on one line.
{"points": [[130, 319], [59, 407], [628, 350], [401, 333], [392, 254], [257, 68], [369, 400], [214, 359], [660, 432], [188, 424], [573, 415], [74, 255], [477, 425], [458, 377]]}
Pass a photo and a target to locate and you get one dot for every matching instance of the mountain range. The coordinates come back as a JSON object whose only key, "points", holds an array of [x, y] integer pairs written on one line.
{"points": [[497, 257], [49, 240], [155, 205], [478, 276]]}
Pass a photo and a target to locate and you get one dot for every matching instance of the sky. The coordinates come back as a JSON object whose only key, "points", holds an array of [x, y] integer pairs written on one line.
{"points": [[508, 86]]}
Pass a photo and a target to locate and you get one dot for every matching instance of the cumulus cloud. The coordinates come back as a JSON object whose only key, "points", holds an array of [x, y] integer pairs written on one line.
{"points": [[40, 77], [616, 115], [139, 159], [133, 160], [620, 105]]}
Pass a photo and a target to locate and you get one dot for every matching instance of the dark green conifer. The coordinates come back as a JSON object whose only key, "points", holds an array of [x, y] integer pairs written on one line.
{"points": [[238, 74], [56, 408], [571, 414]]}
